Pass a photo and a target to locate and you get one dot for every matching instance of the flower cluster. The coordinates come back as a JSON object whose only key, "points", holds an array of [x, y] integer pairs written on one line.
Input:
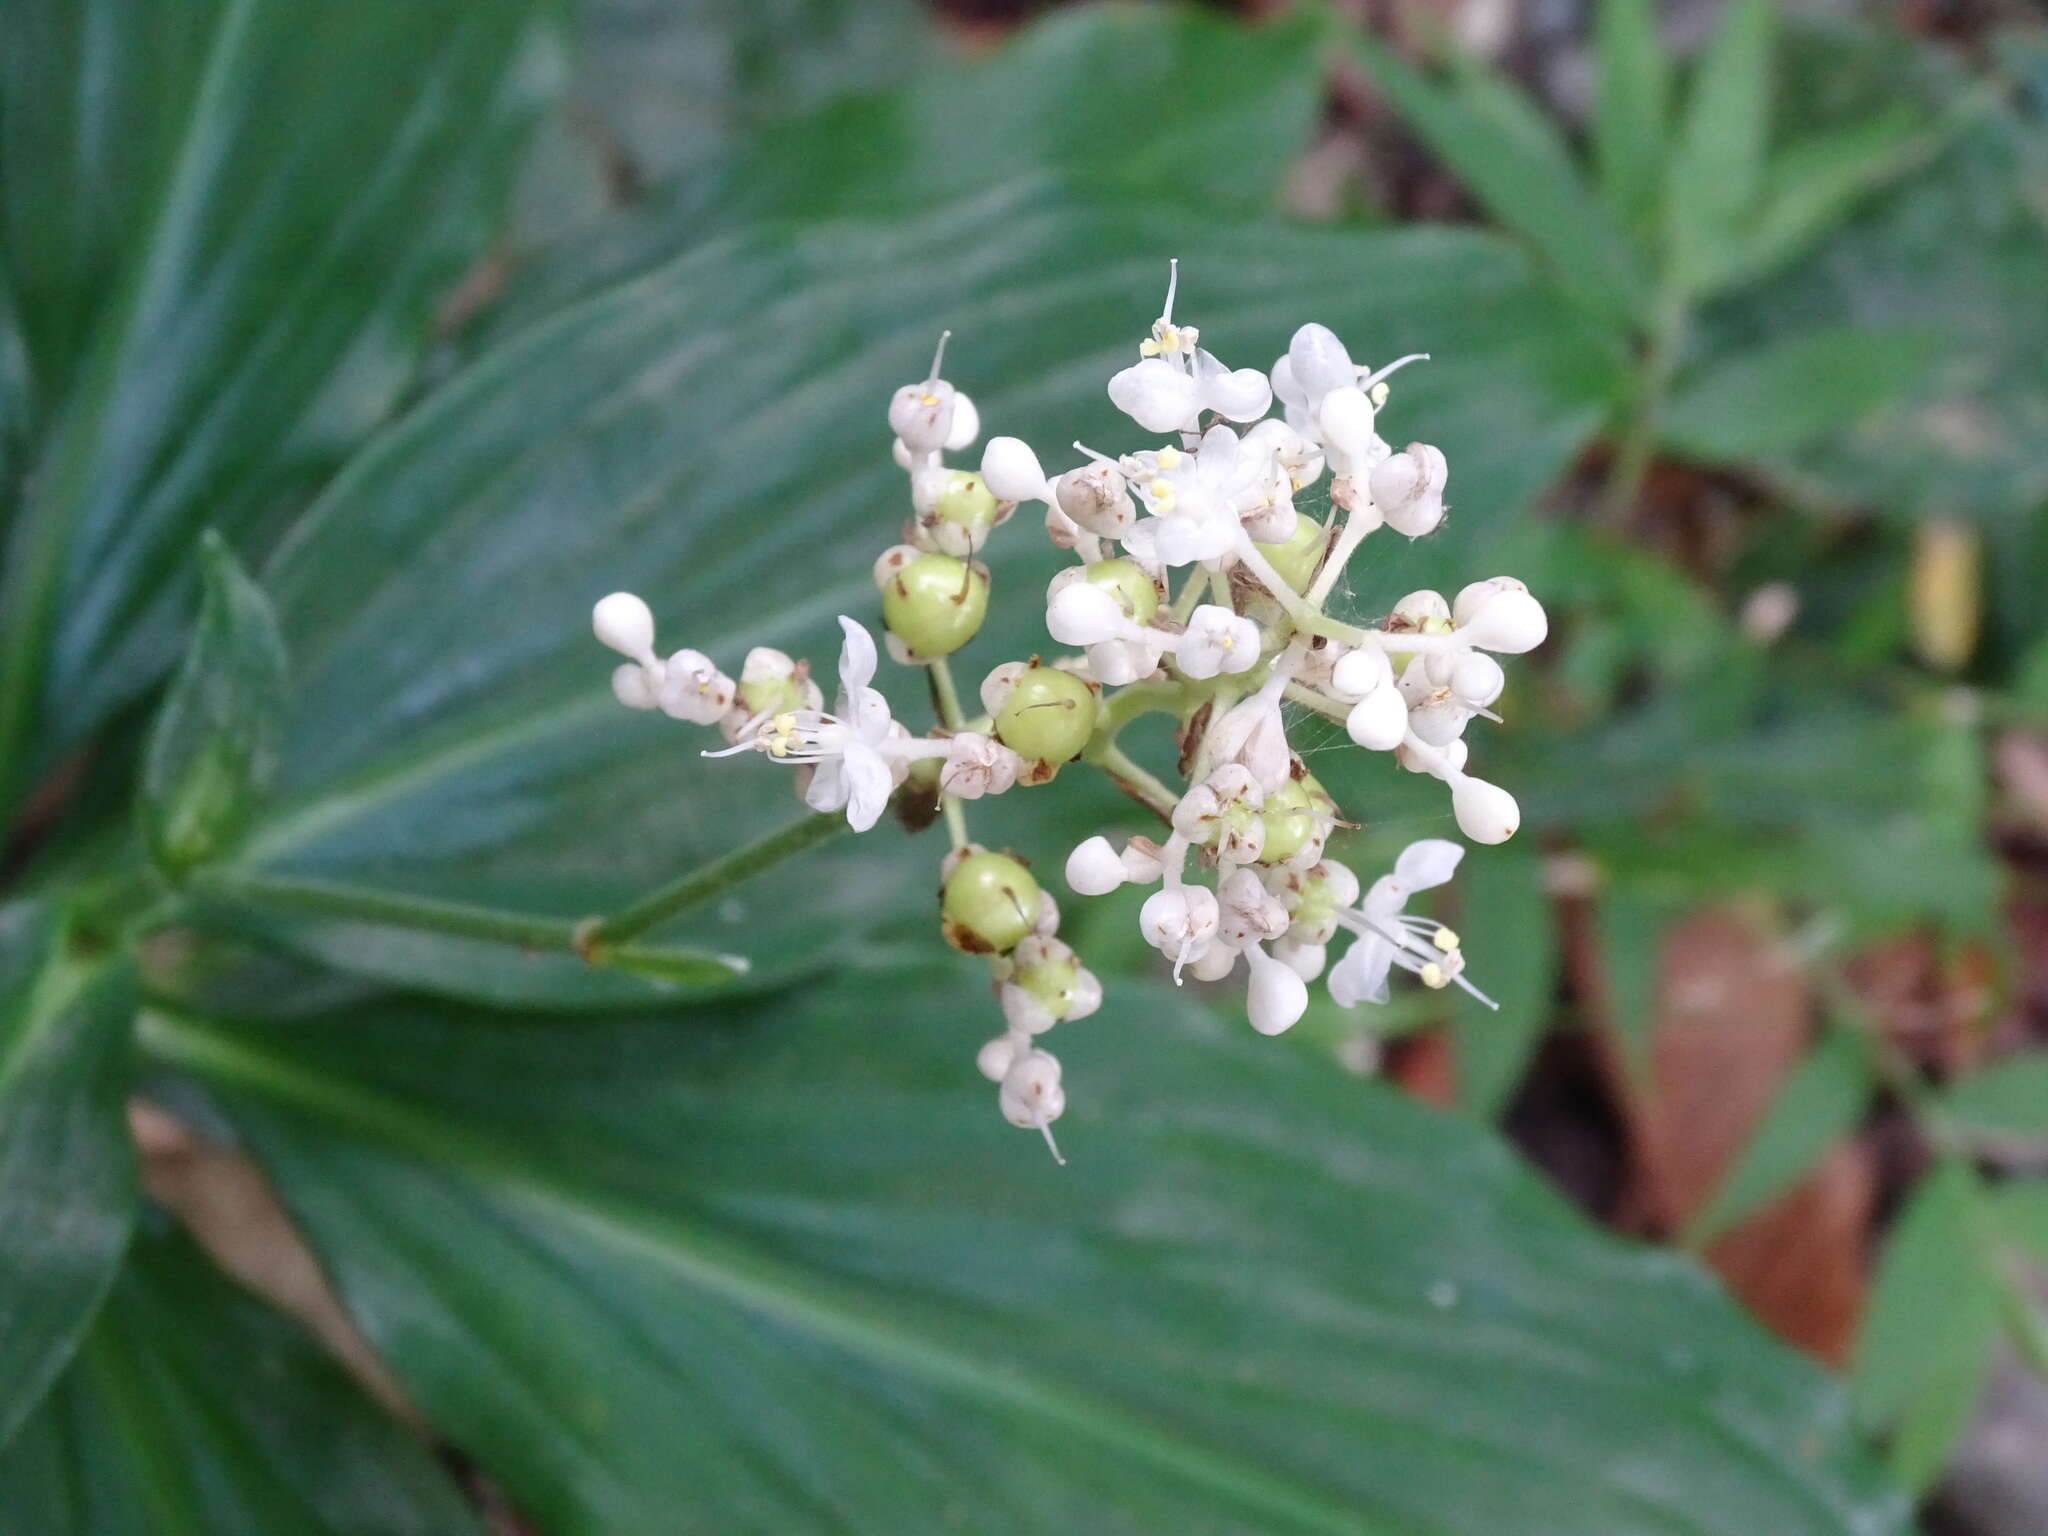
{"points": [[1198, 590]]}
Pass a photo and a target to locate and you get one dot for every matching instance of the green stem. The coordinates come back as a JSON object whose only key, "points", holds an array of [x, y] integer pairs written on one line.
{"points": [[324, 898], [946, 697], [1638, 444], [1134, 780], [1190, 595], [713, 879]]}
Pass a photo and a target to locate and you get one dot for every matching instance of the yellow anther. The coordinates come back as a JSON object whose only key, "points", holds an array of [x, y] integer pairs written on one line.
{"points": [[1433, 975], [1169, 458], [1148, 348], [1444, 939], [928, 399]]}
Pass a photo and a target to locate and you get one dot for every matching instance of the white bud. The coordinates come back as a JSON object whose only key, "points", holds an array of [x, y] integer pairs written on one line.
{"points": [[1418, 608], [1438, 719], [1508, 622], [693, 689], [1408, 488], [1094, 868], [995, 1059], [1318, 362], [625, 623], [1379, 721], [1361, 672], [1345, 419], [1475, 593], [1082, 613], [1305, 960], [1142, 862], [1486, 813], [1217, 962], [1278, 996], [1477, 679], [636, 686], [1012, 472]]}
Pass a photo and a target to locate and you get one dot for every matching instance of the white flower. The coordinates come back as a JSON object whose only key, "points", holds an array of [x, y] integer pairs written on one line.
{"points": [[625, 624], [1254, 733], [933, 415], [1250, 914], [1031, 1097], [1096, 497], [1408, 488], [858, 754], [1389, 938], [1192, 498], [1217, 640], [976, 765], [1178, 380], [1180, 922], [1012, 472]]}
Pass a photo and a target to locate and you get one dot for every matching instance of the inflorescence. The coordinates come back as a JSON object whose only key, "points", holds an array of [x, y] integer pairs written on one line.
{"points": [[1198, 590]]}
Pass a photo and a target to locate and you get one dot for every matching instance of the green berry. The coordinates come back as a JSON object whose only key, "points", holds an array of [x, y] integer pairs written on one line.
{"points": [[967, 500], [990, 903], [934, 604], [1048, 715], [772, 695], [1126, 581], [1290, 821], [1297, 559]]}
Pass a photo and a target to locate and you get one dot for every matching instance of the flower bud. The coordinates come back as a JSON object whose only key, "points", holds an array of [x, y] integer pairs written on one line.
{"points": [[1048, 715], [1486, 813], [693, 689], [1094, 868], [770, 683], [1031, 1094], [1473, 594], [1179, 922], [1012, 472], [1360, 673], [1379, 721], [995, 1059], [635, 686], [1508, 622], [624, 623], [1439, 719], [989, 903], [1096, 497], [1078, 612], [1277, 997], [934, 604], [1476, 680], [966, 422], [1319, 362], [1345, 419]]}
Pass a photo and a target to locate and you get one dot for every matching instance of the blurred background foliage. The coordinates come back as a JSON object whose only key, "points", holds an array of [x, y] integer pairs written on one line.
{"points": [[447, 317]]}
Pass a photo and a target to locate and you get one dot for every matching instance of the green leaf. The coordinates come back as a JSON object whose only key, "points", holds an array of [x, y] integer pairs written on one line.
{"points": [[2007, 1098], [1628, 928], [193, 1407], [1957, 249], [705, 436], [1516, 163], [1822, 1101], [659, 85], [2019, 1213], [1630, 119], [213, 751], [226, 224], [795, 1273], [1156, 103], [1926, 1340], [67, 1176], [1504, 918], [1774, 399], [1717, 168]]}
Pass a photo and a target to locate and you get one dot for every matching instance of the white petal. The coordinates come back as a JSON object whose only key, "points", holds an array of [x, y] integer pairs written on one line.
{"points": [[1486, 813], [1361, 976], [1509, 622], [1379, 721], [1319, 362], [1427, 863], [827, 790], [1156, 395], [1082, 613], [868, 782], [856, 656], [1242, 394], [633, 686], [966, 423], [1278, 996]]}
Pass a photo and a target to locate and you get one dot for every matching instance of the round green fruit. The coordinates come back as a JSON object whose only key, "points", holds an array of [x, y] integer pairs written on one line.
{"points": [[935, 604], [1048, 715], [990, 903]]}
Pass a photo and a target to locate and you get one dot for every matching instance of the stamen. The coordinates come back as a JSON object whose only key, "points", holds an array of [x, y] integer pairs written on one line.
{"points": [[1100, 458], [1461, 981], [1045, 1129], [1380, 376]]}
